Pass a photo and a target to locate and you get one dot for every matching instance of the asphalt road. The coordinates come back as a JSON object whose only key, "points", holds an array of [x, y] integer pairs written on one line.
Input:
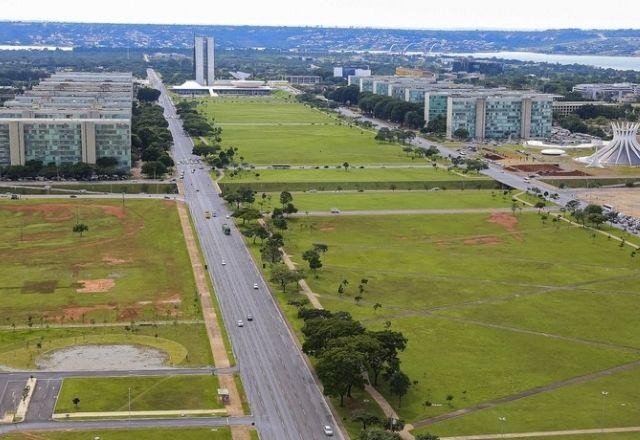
{"points": [[284, 398], [127, 424]]}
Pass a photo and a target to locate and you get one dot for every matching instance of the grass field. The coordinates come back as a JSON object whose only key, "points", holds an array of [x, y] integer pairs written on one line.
{"points": [[185, 344], [353, 175], [585, 402], [126, 434], [131, 264], [280, 131], [376, 200], [78, 188], [332, 179], [153, 393], [446, 280]]}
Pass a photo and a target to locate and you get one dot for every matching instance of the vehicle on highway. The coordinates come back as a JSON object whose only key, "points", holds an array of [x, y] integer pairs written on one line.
{"points": [[227, 216], [328, 430], [335, 211], [240, 323], [15, 196], [249, 317], [73, 196], [255, 286], [213, 213], [226, 230], [167, 198], [207, 214], [526, 179]]}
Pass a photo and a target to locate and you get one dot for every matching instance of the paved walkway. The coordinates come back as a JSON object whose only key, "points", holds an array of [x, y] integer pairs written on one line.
{"points": [[545, 433], [124, 414], [216, 340]]}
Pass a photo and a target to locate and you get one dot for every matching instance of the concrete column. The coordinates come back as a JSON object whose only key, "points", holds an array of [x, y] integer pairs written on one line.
{"points": [[16, 143], [525, 121], [89, 142], [449, 117], [426, 108], [481, 118]]}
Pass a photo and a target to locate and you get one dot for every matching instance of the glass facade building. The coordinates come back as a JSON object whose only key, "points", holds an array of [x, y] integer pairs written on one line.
{"points": [[68, 118]]}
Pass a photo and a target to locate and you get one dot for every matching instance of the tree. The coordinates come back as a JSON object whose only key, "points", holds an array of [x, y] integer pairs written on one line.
{"points": [[285, 197], [340, 369], [461, 133], [312, 257], [76, 401], [284, 276], [367, 419], [391, 343], [107, 162], [258, 231], [320, 247], [290, 209], [247, 214], [345, 165], [379, 434], [279, 223], [399, 384], [148, 94], [270, 252], [81, 228], [154, 169], [319, 332]]}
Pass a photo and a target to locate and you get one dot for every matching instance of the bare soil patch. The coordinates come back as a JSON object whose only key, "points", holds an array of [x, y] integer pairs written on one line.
{"points": [[546, 169], [508, 221], [96, 286], [77, 312], [112, 261]]}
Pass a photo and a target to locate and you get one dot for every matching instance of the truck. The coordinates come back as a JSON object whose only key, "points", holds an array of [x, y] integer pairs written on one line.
{"points": [[226, 230], [207, 214]]}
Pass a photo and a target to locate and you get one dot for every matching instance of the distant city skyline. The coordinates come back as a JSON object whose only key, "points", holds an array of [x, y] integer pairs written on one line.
{"points": [[410, 14]]}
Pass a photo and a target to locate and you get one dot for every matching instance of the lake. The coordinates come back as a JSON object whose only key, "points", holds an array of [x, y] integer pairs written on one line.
{"points": [[606, 62]]}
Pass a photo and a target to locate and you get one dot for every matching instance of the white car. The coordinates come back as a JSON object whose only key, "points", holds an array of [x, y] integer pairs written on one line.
{"points": [[227, 216], [240, 323], [255, 286], [328, 430], [224, 263]]}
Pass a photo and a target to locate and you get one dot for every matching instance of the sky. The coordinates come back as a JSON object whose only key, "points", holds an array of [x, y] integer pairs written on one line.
{"points": [[415, 14]]}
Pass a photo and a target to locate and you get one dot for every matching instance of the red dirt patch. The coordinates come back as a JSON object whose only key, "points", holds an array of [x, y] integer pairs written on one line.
{"points": [[552, 169], [76, 313], [486, 240], [509, 221], [112, 261], [96, 286]]}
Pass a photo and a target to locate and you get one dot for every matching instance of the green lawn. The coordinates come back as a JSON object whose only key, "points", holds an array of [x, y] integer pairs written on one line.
{"points": [[353, 175], [431, 273], [185, 344], [126, 434], [152, 393], [280, 131], [376, 200], [131, 264], [545, 412]]}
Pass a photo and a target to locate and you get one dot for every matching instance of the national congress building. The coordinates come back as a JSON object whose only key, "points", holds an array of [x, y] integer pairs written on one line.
{"points": [[69, 117]]}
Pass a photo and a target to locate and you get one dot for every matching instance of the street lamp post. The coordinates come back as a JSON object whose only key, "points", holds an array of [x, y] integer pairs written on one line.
{"points": [[604, 398], [502, 420]]}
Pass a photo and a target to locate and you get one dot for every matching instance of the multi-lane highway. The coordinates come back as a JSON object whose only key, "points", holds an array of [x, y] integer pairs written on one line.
{"points": [[285, 400]]}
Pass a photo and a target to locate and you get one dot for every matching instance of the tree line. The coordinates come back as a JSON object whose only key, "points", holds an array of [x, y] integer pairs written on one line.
{"points": [[151, 139], [408, 114]]}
